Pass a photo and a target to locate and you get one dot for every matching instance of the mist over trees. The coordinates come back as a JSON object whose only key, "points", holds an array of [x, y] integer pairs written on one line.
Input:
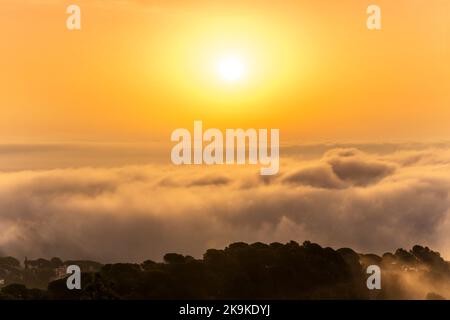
{"points": [[240, 271]]}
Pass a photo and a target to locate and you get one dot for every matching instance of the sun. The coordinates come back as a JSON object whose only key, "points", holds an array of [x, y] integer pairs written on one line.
{"points": [[231, 68]]}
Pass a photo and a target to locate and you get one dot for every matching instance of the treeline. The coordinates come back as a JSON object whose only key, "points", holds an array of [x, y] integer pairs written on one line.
{"points": [[259, 271]]}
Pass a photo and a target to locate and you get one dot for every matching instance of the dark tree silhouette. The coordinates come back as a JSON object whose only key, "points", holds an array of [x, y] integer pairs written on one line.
{"points": [[240, 271]]}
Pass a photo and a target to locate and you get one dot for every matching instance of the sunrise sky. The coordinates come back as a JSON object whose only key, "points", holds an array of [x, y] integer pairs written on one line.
{"points": [[86, 118], [139, 69]]}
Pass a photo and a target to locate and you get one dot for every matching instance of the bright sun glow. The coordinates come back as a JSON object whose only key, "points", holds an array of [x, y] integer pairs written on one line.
{"points": [[231, 68]]}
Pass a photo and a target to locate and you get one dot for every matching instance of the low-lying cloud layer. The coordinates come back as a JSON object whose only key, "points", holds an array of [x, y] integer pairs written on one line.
{"points": [[368, 201]]}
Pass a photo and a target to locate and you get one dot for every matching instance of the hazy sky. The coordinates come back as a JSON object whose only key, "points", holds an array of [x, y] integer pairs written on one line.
{"points": [[139, 69]]}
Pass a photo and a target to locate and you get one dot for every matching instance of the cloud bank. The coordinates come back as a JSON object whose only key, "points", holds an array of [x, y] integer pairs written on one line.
{"points": [[372, 202]]}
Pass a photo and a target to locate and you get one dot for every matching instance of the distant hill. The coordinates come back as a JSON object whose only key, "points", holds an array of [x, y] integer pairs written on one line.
{"points": [[240, 271]]}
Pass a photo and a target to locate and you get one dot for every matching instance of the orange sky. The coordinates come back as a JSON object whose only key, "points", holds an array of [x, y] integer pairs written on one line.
{"points": [[139, 69]]}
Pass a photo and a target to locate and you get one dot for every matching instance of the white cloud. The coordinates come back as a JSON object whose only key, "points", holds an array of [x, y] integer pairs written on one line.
{"points": [[367, 201]]}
